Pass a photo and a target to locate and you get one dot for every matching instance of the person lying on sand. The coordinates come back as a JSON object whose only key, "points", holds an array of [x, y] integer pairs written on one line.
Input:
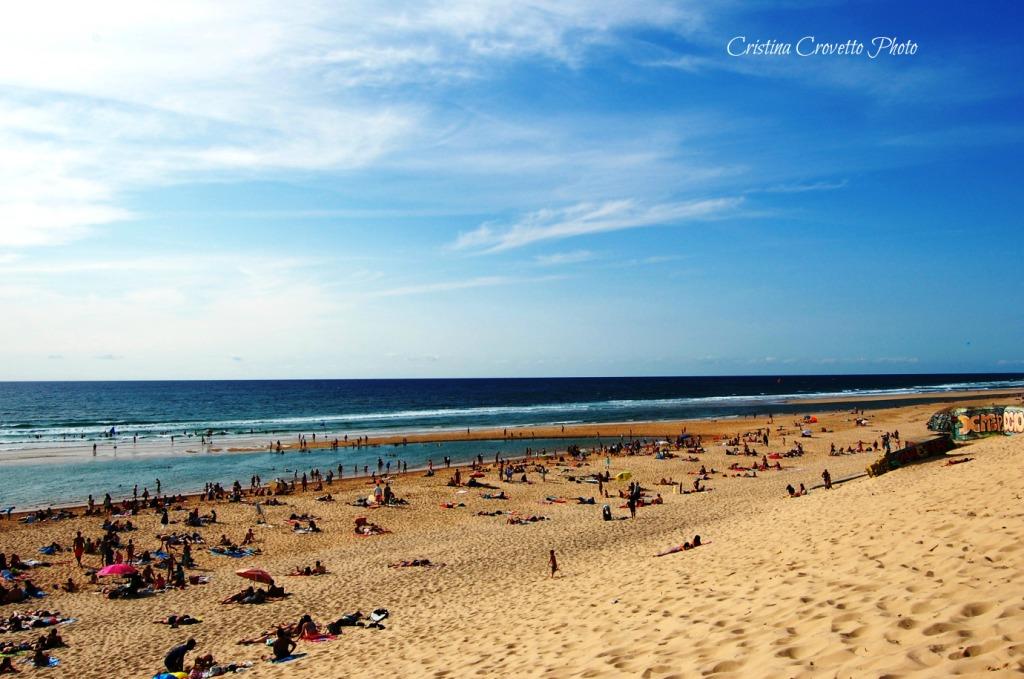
{"points": [[686, 546], [347, 620], [241, 597], [473, 483], [176, 620], [500, 495], [425, 563], [364, 527]]}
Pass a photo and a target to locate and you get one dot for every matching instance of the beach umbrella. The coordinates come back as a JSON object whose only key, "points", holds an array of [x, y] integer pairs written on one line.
{"points": [[122, 569], [256, 575]]}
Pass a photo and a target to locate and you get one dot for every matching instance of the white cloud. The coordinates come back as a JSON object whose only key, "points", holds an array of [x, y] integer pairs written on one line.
{"points": [[588, 218], [447, 286], [561, 258], [99, 99], [804, 188]]}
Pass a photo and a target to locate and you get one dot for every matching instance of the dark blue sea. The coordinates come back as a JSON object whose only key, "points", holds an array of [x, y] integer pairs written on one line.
{"points": [[140, 417]]}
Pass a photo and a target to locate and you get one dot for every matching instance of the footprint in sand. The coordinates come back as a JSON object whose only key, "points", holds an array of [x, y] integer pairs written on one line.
{"points": [[937, 628], [974, 609], [724, 666], [907, 623]]}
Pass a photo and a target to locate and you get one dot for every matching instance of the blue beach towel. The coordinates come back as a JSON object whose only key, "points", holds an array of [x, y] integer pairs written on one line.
{"points": [[289, 658], [234, 554]]}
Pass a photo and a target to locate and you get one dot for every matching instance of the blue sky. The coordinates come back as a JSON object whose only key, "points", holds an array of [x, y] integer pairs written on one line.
{"points": [[261, 190]]}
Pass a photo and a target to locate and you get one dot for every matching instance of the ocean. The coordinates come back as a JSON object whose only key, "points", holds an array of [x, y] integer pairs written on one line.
{"points": [[140, 418]]}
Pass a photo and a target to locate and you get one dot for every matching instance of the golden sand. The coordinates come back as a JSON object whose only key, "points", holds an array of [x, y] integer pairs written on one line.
{"points": [[915, 573]]}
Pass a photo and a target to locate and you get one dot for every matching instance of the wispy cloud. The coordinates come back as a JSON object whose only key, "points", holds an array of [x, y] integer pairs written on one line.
{"points": [[562, 258], [587, 218], [962, 135], [448, 286], [803, 188]]}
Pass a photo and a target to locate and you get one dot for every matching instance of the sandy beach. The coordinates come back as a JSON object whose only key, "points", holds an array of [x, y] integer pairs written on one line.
{"points": [[915, 573]]}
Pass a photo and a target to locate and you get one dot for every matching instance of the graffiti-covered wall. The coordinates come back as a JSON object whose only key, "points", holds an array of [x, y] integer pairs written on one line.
{"points": [[964, 424]]}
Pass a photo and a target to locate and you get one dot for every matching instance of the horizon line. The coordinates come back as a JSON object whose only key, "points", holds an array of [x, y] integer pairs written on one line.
{"points": [[481, 378]]}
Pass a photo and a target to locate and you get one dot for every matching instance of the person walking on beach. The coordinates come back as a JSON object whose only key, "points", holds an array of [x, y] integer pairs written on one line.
{"points": [[553, 563], [827, 478], [79, 547]]}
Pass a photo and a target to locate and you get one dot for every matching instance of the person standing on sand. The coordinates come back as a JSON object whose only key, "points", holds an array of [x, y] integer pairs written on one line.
{"points": [[827, 478], [79, 547], [553, 562]]}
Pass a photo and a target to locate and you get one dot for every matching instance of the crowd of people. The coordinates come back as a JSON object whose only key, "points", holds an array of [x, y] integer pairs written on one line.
{"points": [[167, 566]]}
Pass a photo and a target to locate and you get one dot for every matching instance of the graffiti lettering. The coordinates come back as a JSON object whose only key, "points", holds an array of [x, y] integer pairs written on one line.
{"points": [[973, 422]]}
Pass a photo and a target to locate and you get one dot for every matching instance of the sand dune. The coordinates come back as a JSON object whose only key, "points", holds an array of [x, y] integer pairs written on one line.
{"points": [[916, 573]]}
